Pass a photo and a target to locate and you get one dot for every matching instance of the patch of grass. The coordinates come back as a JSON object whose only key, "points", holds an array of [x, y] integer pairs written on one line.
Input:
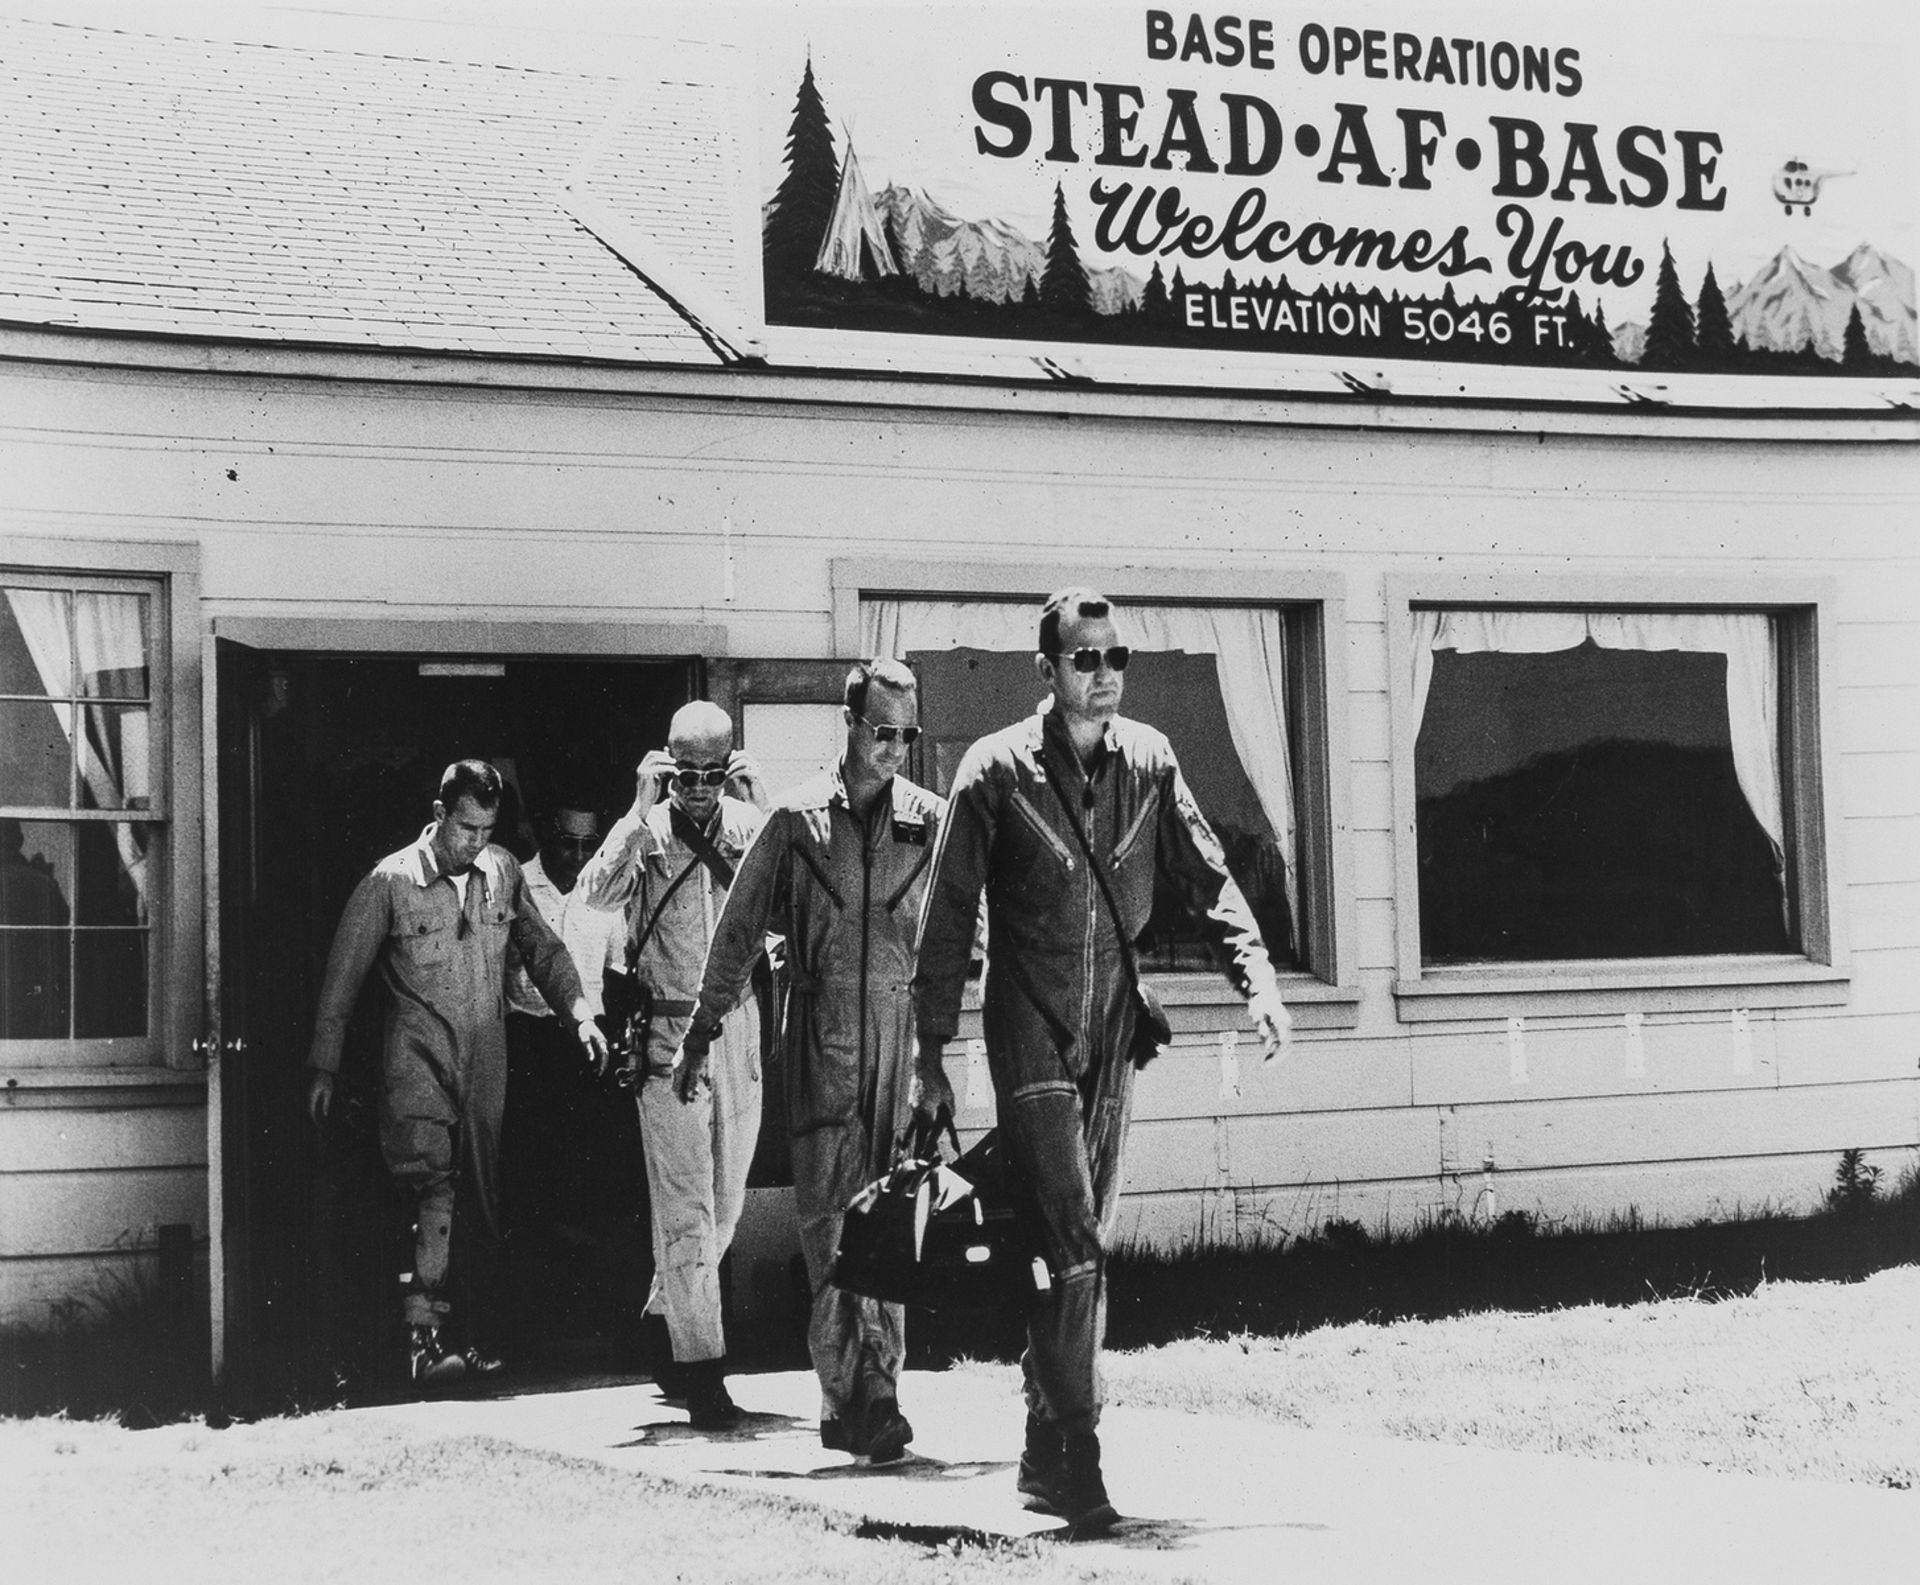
{"points": [[347, 1498], [135, 1349], [1449, 1265], [1804, 1381]]}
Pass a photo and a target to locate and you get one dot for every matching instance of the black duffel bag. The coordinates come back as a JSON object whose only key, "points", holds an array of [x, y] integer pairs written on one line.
{"points": [[898, 1243]]}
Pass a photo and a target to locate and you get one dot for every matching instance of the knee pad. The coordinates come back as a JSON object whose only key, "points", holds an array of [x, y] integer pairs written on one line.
{"points": [[418, 1150]]}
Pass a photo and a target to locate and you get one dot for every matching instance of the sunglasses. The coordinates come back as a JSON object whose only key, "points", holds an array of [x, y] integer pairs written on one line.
{"points": [[577, 844], [904, 735], [1089, 659], [687, 777]]}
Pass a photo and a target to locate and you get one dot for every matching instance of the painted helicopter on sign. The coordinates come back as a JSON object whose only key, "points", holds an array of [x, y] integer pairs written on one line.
{"points": [[1797, 185]]}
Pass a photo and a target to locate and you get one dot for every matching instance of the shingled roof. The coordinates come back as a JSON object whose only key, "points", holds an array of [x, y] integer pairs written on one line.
{"points": [[254, 192]]}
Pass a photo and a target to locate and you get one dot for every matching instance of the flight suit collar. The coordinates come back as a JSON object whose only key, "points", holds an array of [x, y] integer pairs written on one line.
{"points": [[906, 805], [423, 869], [1047, 740]]}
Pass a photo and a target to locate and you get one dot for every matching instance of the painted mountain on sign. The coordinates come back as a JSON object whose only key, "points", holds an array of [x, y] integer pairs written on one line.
{"points": [[1791, 304], [992, 260]]}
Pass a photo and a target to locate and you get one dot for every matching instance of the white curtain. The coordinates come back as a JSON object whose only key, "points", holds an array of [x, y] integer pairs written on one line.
{"points": [[108, 640], [1247, 643], [1747, 639]]}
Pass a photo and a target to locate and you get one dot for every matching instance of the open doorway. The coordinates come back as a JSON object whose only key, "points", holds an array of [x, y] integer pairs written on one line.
{"points": [[327, 763]]}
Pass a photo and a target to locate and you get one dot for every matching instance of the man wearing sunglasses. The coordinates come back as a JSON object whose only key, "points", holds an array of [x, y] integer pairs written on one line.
{"points": [[1032, 811], [840, 871], [668, 864]]}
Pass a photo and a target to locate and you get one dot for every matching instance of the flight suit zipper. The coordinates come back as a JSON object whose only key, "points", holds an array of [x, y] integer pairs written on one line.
{"points": [[1086, 965], [869, 1087]]}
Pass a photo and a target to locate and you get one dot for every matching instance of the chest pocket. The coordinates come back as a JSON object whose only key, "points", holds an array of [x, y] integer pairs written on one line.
{"points": [[422, 934], [1141, 823], [1035, 825]]}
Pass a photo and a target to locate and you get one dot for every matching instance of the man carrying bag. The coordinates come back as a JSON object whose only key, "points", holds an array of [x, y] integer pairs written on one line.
{"points": [[1066, 820]]}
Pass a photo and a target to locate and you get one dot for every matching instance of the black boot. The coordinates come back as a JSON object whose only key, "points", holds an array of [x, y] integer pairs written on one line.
{"points": [[1080, 1498], [886, 1433], [431, 1364], [481, 1364], [710, 1407], [1040, 1464], [656, 1346]]}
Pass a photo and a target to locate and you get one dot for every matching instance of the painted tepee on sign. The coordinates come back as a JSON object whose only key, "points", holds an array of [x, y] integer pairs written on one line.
{"points": [[855, 246]]}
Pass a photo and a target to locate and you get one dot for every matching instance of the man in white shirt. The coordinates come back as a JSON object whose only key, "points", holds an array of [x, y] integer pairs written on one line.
{"points": [[571, 1168], [568, 838]]}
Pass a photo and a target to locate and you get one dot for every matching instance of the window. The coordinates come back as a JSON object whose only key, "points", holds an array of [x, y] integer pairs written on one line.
{"points": [[1607, 791], [1239, 688], [966, 693], [83, 816]]}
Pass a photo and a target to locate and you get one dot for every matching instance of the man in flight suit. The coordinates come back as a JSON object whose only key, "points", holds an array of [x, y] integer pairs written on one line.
{"points": [[669, 862], [839, 870], [437, 919], [1058, 1006]]}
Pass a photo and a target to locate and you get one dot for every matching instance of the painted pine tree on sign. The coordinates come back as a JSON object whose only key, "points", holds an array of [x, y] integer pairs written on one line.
{"points": [[803, 206]]}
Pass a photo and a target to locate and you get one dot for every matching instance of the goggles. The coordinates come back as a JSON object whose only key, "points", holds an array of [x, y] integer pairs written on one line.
{"points": [[1089, 659], [907, 736], [688, 777]]}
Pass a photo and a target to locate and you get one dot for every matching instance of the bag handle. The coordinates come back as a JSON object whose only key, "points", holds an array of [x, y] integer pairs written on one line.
{"points": [[923, 1135]]}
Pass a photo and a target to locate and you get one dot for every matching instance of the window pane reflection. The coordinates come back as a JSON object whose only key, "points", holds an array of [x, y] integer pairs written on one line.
{"points": [[112, 876], [36, 654], [36, 872], [111, 642], [114, 764], [35, 756], [110, 983], [34, 1001]]}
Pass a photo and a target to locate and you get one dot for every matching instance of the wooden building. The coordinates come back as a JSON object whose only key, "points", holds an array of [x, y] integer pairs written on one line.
{"points": [[365, 407]]}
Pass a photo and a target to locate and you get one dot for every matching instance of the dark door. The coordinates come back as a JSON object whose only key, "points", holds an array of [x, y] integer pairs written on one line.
{"points": [[237, 673], [327, 762]]}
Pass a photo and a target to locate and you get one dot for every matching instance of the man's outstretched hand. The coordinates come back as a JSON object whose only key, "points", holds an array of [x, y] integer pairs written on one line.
{"points": [[1273, 1021]]}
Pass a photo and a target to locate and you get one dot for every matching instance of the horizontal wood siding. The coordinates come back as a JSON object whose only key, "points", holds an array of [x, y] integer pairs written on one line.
{"points": [[81, 1212], [42, 1291], [86, 1182], [333, 500]]}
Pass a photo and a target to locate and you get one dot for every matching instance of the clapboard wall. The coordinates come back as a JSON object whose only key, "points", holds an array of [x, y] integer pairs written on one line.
{"points": [[362, 491]]}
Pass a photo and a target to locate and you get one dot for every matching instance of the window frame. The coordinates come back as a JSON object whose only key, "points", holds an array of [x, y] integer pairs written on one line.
{"points": [[1817, 975], [169, 573], [1325, 991]]}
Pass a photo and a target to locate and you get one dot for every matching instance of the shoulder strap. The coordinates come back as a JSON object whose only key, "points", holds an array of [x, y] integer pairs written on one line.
{"points": [[704, 851], [646, 932], [1099, 879]]}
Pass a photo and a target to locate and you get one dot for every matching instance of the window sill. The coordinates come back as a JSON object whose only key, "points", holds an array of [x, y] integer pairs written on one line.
{"points": [[1665, 985], [1204, 1004], [98, 1086]]}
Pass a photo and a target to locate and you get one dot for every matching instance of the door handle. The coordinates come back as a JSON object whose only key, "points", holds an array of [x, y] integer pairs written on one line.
{"points": [[206, 1049]]}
